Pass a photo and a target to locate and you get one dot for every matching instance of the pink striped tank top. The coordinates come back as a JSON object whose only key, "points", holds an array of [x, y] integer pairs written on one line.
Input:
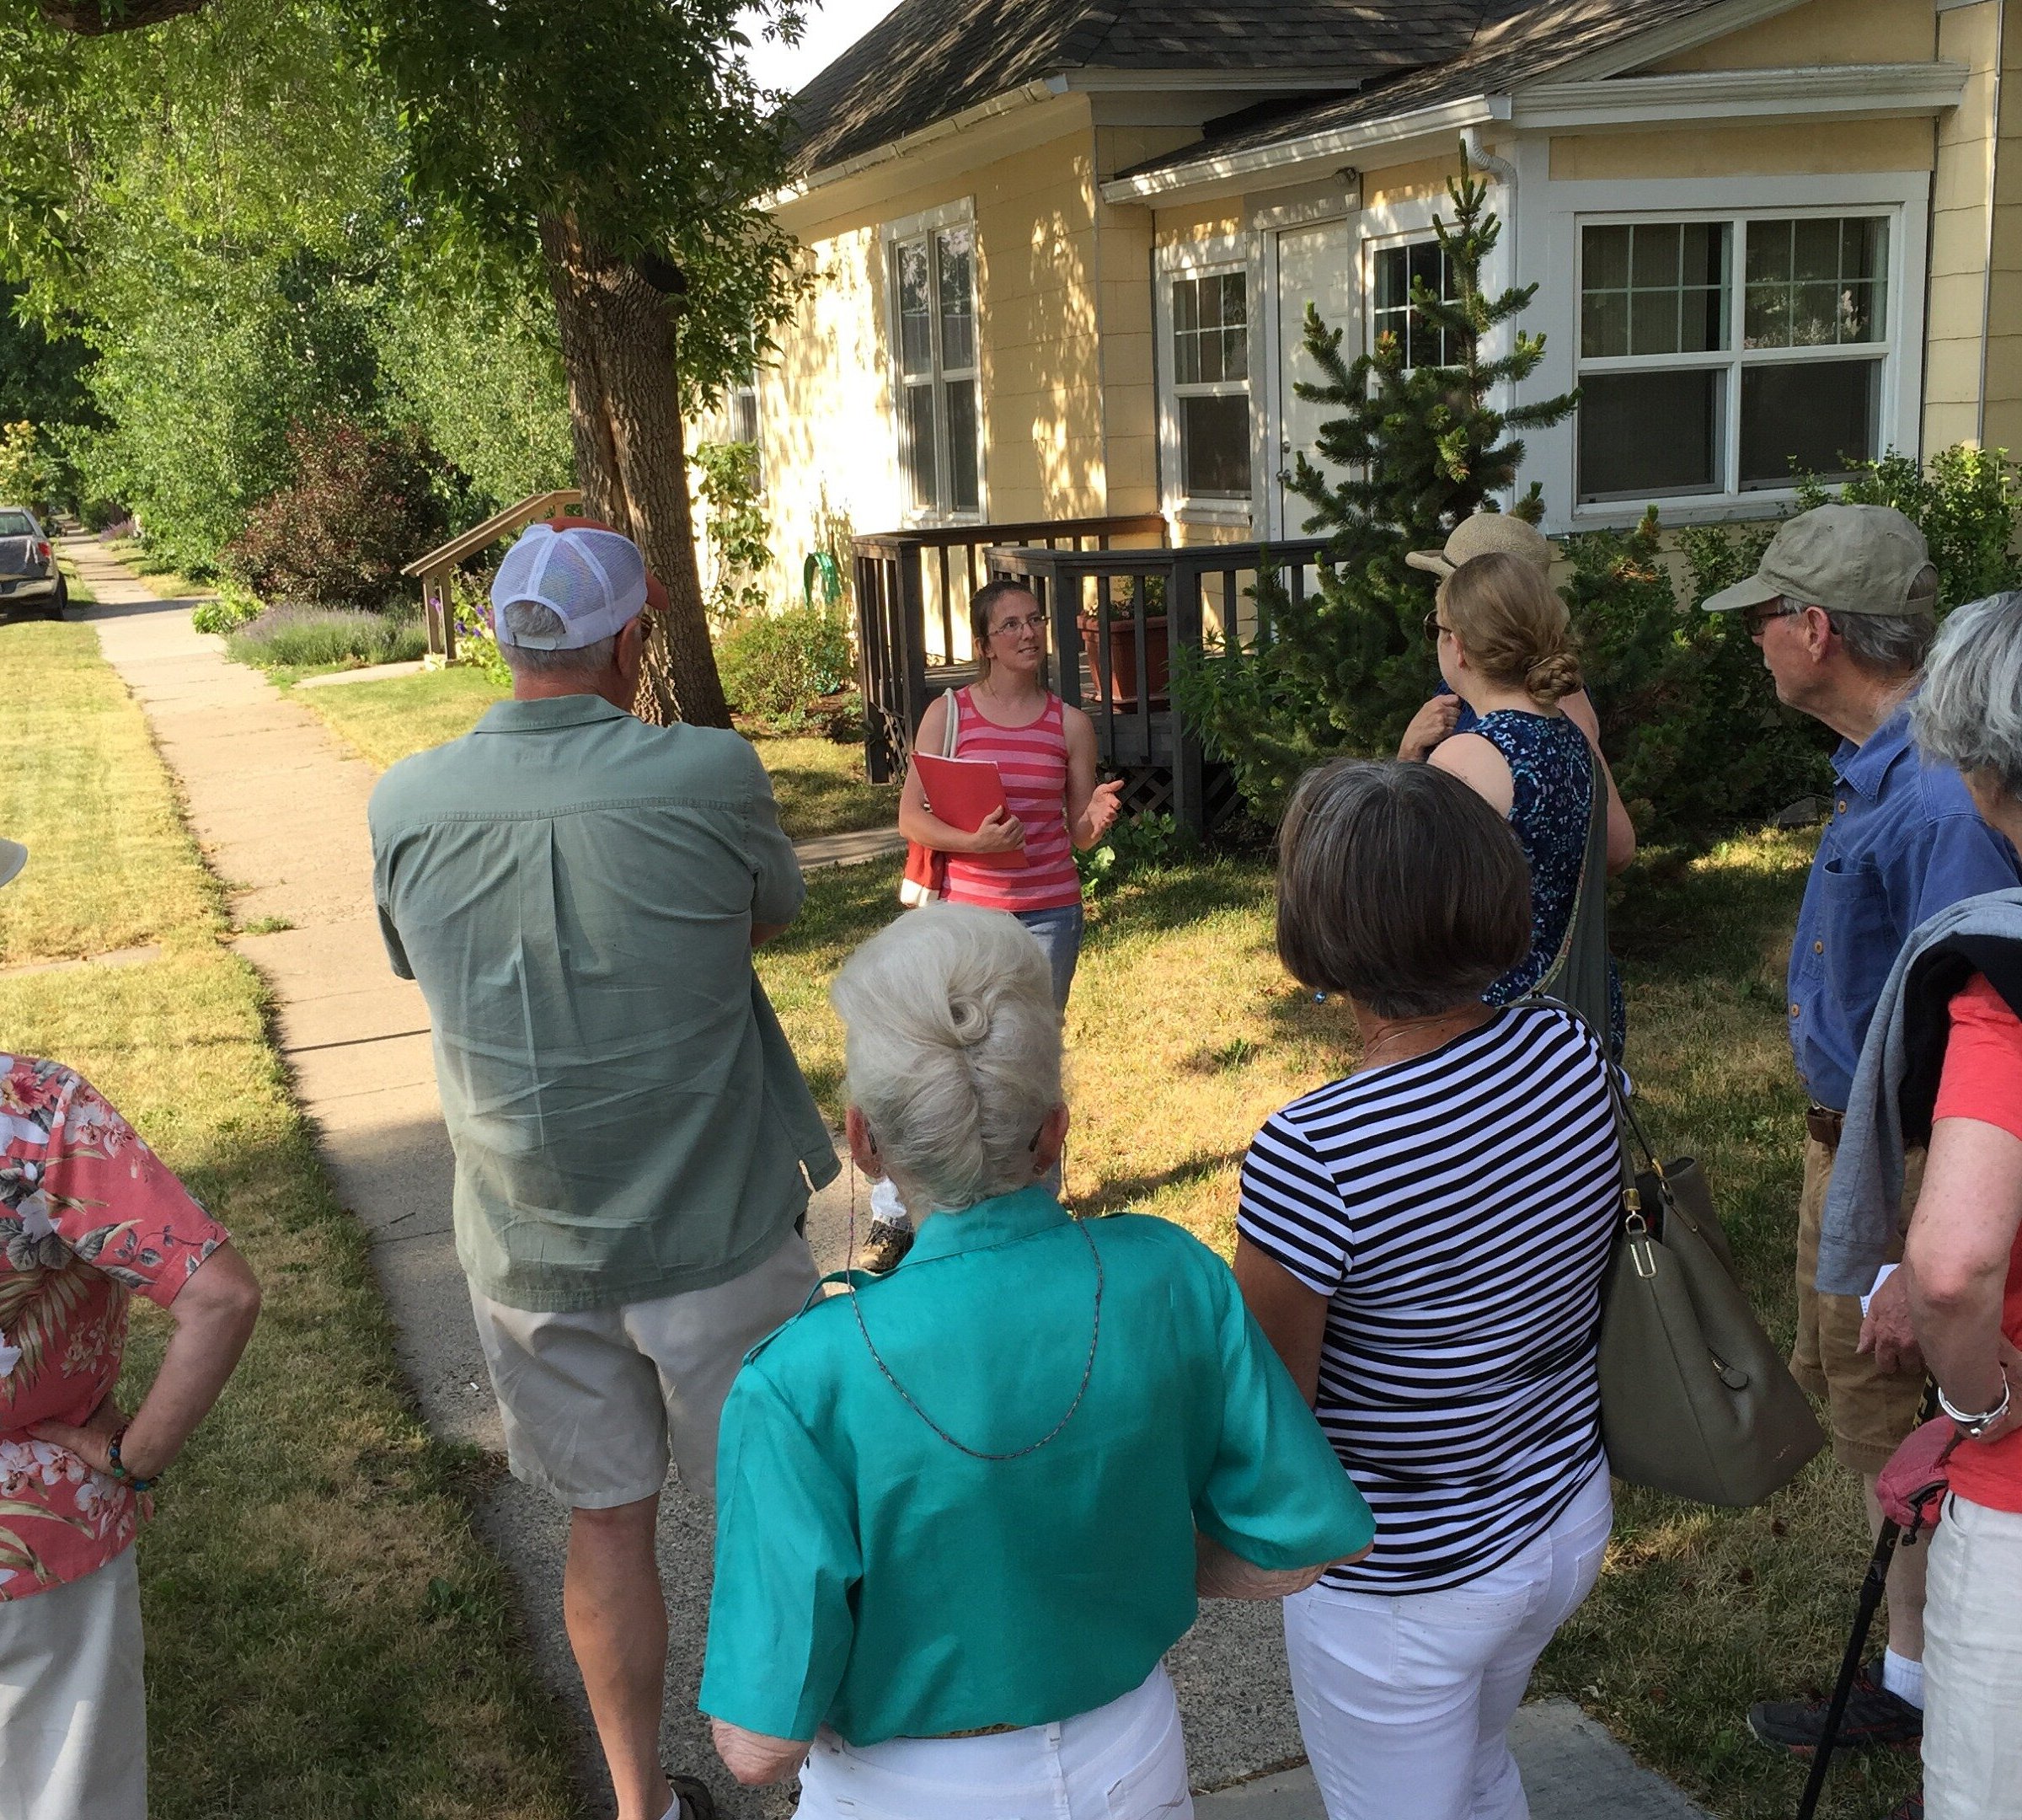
{"points": [[1033, 763]]}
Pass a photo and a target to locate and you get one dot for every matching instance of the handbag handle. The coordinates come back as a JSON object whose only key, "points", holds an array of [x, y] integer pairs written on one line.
{"points": [[1626, 1123], [1596, 812]]}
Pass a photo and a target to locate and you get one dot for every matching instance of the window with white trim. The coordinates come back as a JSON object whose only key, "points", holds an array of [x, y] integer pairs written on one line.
{"points": [[1697, 379], [741, 420], [1211, 382], [940, 432], [1392, 270]]}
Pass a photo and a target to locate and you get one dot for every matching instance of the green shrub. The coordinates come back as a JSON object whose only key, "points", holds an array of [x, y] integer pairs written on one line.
{"points": [[1697, 740], [740, 538], [233, 609], [362, 503], [775, 666], [302, 638], [1134, 844]]}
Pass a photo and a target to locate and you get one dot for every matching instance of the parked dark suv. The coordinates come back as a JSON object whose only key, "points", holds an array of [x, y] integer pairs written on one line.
{"points": [[29, 580]]}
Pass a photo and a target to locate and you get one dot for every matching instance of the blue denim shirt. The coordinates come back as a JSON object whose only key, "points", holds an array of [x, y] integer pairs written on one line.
{"points": [[1904, 842]]}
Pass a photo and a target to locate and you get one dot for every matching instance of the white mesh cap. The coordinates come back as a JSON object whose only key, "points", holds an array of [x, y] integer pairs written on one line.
{"points": [[595, 582]]}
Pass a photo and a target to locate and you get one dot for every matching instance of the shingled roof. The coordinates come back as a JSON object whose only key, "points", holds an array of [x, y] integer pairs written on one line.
{"points": [[930, 59], [1513, 42]]}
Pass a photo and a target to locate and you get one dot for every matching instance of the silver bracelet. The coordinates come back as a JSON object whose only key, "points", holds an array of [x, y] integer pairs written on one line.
{"points": [[1974, 1425]]}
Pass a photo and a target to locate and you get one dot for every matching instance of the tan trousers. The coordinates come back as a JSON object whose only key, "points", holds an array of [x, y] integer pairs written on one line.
{"points": [[1872, 1410], [73, 1712]]}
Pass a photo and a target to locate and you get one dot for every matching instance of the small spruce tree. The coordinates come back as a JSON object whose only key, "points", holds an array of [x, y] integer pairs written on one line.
{"points": [[1418, 449]]}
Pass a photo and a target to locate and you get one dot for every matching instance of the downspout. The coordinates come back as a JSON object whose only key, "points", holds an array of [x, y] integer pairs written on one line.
{"points": [[1504, 173], [1993, 166]]}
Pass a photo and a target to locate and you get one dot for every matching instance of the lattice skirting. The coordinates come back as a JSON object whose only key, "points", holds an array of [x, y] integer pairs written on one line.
{"points": [[1147, 790]]}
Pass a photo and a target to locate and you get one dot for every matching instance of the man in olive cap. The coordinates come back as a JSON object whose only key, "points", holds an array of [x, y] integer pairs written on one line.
{"points": [[1844, 607]]}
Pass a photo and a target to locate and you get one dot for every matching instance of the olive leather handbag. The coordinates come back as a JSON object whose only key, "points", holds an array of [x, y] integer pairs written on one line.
{"points": [[1695, 1398]]}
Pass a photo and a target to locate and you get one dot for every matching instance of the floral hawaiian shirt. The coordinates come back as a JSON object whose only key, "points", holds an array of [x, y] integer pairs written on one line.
{"points": [[87, 1212]]}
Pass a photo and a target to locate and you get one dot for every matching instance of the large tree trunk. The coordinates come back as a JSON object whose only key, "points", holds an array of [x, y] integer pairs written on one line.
{"points": [[624, 407]]}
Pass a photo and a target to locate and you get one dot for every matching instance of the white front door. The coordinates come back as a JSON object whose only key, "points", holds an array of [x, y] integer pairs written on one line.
{"points": [[1314, 265]]}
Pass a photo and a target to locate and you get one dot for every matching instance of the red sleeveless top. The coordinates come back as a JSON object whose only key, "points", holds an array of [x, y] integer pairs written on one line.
{"points": [[1033, 763]]}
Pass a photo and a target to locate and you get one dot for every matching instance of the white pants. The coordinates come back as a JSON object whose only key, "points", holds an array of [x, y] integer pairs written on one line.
{"points": [[73, 1712], [1405, 1700], [1124, 1761], [1973, 1665]]}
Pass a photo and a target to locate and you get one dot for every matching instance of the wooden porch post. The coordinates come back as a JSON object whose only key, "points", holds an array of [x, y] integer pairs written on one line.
{"points": [[1183, 632]]}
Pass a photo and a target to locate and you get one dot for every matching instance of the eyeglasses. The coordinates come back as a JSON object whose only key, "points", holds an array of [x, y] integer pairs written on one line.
{"points": [[1435, 626], [1754, 619], [1036, 623]]}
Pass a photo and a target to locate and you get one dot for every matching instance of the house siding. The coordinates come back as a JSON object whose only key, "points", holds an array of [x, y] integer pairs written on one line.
{"points": [[1820, 31]]}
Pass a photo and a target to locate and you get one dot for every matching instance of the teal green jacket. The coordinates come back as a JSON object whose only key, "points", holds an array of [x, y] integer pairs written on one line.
{"points": [[871, 1576]]}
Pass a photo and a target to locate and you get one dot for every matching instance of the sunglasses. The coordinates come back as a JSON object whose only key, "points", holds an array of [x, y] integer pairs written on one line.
{"points": [[1434, 627], [1754, 619]]}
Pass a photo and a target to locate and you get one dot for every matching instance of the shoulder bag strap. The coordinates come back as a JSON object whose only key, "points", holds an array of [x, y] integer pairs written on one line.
{"points": [[951, 732]]}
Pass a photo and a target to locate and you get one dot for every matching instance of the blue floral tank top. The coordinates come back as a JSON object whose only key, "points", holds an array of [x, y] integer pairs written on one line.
{"points": [[1549, 764]]}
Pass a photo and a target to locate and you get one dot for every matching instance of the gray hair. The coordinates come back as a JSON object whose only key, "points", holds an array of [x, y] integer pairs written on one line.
{"points": [[1890, 645], [532, 619], [1969, 713], [952, 1048]]}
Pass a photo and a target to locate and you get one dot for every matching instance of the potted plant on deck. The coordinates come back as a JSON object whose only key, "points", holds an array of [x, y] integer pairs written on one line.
{"points": [[1123, 644]]}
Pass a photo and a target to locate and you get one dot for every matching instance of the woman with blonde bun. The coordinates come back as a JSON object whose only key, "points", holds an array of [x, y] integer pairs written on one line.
{"points": [[1506, 649]]}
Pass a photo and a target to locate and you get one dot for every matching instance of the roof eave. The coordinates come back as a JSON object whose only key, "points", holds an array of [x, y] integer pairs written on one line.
{"points": [[1230, 173], [1025, 95], [1868, 90]]}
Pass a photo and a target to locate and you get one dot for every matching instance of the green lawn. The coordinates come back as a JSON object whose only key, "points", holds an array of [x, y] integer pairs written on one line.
{"points": [[819, 781], [327, 1637], [1185, 1033]]}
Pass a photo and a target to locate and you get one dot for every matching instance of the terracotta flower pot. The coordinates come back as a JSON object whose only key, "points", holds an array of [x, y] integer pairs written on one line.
{"points": [[1123, 657]]}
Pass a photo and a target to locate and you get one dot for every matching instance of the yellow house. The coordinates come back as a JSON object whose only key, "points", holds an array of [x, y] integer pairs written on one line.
{"points": [[1060, 251]]}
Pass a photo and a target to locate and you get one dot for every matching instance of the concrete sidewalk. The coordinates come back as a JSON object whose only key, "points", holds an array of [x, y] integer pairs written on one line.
{"points": [[278, 805]]}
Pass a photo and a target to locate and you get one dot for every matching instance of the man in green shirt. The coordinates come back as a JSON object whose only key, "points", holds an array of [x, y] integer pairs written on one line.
{"points": [[578, 895]]}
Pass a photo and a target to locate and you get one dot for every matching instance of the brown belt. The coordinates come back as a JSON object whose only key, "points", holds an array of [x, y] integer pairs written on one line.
{"points": [[936, 1738], [1825, 1124]]}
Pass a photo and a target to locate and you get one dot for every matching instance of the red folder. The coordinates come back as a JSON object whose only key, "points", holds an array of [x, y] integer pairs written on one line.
{"points": [[964, 793]]}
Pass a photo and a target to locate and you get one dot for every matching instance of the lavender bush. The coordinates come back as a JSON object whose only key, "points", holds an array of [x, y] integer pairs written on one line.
{"points": [[299, 638]]}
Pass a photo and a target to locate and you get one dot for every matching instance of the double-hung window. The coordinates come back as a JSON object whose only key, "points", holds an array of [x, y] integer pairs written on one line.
{"points": [[741, 420], [1392, 270], [934, 304], [1210, 383], [1722, 356]]}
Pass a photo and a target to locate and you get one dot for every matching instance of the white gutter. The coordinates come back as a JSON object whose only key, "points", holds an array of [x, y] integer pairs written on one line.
{"points": [[1263, 160], [1043, 88], [1867, 88]]}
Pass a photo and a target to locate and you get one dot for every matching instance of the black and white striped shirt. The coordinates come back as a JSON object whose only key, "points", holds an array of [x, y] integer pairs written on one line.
{"points": [[1458, 1211]]}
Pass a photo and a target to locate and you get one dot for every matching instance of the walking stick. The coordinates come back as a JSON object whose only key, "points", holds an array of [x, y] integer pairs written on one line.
{"points": [[1871, 1589]]}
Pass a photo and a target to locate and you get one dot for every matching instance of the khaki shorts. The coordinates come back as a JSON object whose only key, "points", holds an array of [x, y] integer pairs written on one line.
{"points": [[1872, 1410], [597, 1401]]}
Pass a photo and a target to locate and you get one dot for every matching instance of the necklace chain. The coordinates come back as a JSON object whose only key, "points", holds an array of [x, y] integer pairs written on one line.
{"points": [[1088, 1369]]}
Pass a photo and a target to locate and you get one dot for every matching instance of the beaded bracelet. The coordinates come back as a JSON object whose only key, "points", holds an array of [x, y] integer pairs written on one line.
{"points": [[118, 1469]]}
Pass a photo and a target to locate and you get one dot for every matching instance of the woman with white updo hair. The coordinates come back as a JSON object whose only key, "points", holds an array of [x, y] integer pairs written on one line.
{"points": [[964, 1509]]}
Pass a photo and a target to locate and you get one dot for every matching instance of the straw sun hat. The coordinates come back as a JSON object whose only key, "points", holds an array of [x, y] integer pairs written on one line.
{"points": [[1485, 533]]}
